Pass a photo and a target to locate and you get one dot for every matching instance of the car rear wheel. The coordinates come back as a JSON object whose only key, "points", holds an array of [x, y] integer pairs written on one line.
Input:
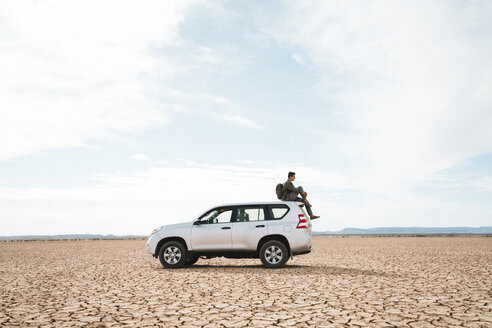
{"points": [[274, 254], [172, 254]]}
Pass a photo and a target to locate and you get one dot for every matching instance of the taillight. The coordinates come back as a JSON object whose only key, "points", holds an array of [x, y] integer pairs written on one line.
{"points": [[302, 222]]}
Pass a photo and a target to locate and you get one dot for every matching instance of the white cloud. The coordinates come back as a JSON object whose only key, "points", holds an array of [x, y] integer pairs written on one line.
{"points": [[237, 119], [72, 71], [298, 58], [411, 81], [141, 157], [482, 183], [138, 201], [220, 108]]}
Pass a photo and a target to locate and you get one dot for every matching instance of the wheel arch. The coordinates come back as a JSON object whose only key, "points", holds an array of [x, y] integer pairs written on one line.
{"points": [[280, 238], [165, 240]]}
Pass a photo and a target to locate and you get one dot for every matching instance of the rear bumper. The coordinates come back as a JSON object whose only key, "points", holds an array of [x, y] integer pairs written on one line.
{"points": [[301, 253], [300, 242]]}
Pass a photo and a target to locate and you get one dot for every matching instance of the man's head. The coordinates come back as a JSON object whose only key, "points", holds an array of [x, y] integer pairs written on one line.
{"points": [[291, 176]]}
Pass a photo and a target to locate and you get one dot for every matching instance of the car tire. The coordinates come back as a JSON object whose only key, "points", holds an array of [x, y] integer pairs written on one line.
{"points": [[192, 260], [274, 254], [172, 254]]}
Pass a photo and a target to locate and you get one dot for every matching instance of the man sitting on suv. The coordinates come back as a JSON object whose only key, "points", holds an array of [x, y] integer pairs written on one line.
{"points": [[289, 192]]}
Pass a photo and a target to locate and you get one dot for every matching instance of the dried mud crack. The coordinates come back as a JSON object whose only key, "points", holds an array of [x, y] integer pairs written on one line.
{"points": [[366, 282]]}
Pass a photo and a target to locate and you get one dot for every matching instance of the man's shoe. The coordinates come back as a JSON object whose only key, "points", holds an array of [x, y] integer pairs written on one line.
{"points": [[314, 217]]}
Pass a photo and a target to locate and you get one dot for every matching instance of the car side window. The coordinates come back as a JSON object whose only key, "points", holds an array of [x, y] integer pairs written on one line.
{"points": [[223, 217], [246, 214], [218, 215], [277, 212]]}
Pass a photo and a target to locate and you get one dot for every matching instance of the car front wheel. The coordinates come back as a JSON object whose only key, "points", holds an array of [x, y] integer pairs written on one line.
{"points": [[274, 254], [172, 254]]}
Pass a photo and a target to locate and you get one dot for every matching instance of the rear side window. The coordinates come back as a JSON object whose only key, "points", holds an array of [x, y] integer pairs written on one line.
{"points": [[246, 214], [277, 212]]}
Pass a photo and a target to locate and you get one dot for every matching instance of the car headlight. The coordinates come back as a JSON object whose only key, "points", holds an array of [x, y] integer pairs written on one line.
{"points": [[154, 231]]}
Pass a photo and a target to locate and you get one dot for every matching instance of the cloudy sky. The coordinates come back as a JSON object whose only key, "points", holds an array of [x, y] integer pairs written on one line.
{"points": [[120, 116]]}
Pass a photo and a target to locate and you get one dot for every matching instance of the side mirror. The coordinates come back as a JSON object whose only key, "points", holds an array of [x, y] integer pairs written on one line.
{"points": [[197, 223]]}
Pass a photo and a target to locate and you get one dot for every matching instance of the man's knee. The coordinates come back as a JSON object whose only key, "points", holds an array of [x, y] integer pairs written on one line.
{"points": [[300, 189]]}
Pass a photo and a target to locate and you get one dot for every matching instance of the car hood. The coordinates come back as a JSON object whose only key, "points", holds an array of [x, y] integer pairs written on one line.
{"points": [[176, 225]]}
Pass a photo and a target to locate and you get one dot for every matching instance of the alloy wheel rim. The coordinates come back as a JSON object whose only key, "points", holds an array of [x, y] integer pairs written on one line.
{"points": [[172, 255], [273, 254]]}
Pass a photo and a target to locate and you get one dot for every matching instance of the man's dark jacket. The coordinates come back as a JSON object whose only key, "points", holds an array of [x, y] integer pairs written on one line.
{"points": [[288, 188]]}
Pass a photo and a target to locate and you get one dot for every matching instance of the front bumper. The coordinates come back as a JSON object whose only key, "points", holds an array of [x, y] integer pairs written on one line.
{"points": [[152, 244]]}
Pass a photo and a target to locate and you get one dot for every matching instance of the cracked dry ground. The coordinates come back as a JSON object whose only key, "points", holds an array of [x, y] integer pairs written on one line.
{"points": [[390, 281]]}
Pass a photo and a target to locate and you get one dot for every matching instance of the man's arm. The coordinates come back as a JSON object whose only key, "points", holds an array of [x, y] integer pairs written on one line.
{"points": [[290, 187]]}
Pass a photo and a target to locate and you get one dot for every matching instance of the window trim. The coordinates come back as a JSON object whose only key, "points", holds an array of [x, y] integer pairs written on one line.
{"points": [[232, 208], [277, 206], [266, 212]]}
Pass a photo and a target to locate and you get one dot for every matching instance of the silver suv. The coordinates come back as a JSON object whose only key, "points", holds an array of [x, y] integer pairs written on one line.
{"points": [[271, 231]]}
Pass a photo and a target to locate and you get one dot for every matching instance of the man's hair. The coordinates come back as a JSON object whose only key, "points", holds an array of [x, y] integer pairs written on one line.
{"points": [[291, 174]]}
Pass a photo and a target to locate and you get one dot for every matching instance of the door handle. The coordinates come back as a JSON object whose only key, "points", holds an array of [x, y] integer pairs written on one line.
{"points": [[260, 226], [225, 228]]}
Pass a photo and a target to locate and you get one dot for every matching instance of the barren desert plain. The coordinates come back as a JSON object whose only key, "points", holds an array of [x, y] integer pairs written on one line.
{"points": [[351, 281]]}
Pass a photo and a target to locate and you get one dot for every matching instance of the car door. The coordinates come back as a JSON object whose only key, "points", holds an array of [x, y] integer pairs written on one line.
{"points": [[212, 231], [248, 227]]}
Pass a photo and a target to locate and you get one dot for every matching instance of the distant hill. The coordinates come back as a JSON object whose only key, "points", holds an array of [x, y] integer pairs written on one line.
{"points": [[408, 231], [347, 231], [69, 236]]}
